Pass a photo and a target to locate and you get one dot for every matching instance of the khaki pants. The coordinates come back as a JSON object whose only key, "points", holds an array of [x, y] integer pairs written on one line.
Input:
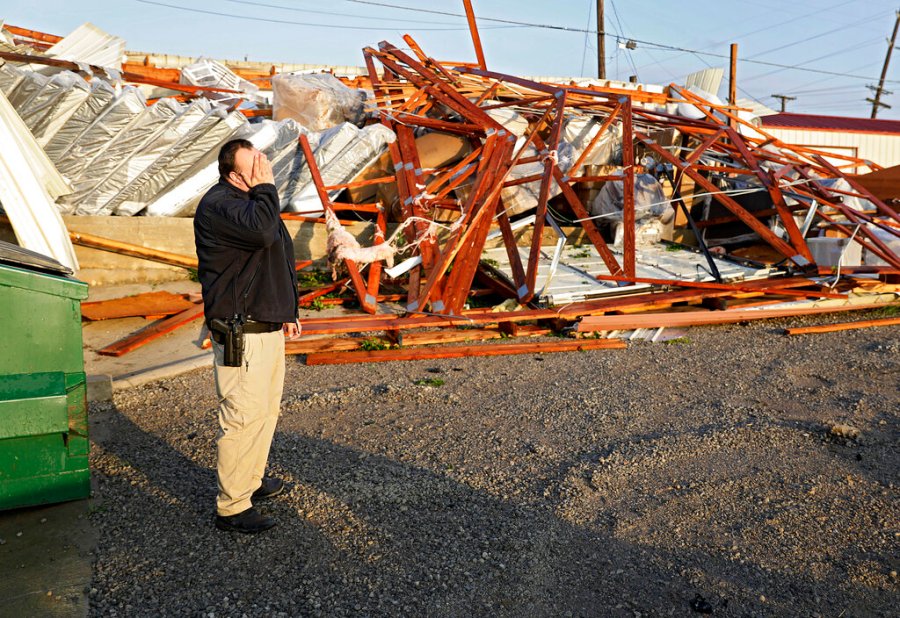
{"points": [[249, 404]]}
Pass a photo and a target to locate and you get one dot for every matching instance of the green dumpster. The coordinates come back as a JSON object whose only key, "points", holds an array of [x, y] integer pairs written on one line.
{"points": [[43, 405]]}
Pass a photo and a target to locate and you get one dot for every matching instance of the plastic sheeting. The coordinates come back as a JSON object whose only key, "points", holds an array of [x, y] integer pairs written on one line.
{"points": [[368, 146], [25, 175], [649, 199], [115, 117], [317, 102], [145, 127], [47, 110], [579, 131], [203, 145], [190, 187], [155, 146], [330, 144], [101, 94]]}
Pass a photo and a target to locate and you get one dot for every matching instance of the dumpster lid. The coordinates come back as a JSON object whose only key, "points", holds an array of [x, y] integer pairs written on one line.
{"points": [[15, 255]]}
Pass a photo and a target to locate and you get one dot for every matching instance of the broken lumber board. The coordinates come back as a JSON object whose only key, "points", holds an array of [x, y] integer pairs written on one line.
{"points": [[347, 344], [150, 304], [831, 328], [701, 318], [461, 351], [137, 251], [644, 302], [154, 331]]}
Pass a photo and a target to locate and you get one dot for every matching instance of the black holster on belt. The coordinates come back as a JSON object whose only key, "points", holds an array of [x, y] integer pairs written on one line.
{"points": [[230, 333]]}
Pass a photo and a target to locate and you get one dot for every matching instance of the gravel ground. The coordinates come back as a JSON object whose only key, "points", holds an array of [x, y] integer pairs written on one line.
{"points": [[698, 477]]}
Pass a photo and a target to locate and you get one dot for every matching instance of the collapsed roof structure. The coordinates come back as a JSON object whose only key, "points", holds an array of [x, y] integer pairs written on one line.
{"points": [[564, 198]]}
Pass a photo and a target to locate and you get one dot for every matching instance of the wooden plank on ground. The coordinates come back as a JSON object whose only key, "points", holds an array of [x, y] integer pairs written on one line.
{"points": [[154, 331], [152, 303], [124, 248], [700, 318], [345, 344], [497, 349], [831, 328]]}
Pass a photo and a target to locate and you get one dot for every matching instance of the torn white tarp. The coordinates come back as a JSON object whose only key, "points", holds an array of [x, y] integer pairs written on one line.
{"points": [[369, 144], [25, 174], [186, 193], [316, 101]]}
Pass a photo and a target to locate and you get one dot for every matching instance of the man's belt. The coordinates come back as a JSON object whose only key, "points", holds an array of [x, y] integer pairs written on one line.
{"points": [[252, 326]]}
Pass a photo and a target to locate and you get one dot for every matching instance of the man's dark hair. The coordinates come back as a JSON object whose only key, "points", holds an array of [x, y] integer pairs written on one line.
{"points": [[226, 155]]}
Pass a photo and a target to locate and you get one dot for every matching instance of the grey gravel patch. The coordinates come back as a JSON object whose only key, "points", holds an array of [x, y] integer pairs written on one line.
{"points": [[608, 483]]}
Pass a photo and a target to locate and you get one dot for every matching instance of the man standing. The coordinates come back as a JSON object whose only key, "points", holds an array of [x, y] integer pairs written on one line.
{"points": [[246, 269]]}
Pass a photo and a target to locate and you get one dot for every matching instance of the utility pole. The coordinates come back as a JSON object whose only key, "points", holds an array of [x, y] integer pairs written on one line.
{"points": [[876, 102], [601, 42], [784, 99], [732, 84]]}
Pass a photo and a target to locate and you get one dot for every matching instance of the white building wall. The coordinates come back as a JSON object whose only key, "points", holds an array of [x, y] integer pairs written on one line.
{"points": [[879, 148]]}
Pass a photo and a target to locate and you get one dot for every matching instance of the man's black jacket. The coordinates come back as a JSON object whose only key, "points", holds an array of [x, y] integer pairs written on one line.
{"points": [[246, 255]]}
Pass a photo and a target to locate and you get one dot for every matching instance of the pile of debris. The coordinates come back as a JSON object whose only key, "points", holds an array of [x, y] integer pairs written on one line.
{"points": [[560, 205]]}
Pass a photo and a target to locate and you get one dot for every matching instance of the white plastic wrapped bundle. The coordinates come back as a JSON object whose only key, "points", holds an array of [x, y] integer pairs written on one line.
{"points": [[512, 121], [579, 131], [106, 159], [326, 146], [649, 199], [47, 110], [100, 96], [201, 143], [132, 164], [115, 117], [186, 192], [317, 102], [368, 146]]}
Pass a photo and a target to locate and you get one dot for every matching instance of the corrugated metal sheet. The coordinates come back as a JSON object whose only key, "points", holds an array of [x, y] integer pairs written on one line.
{"points": [[831, 123]]}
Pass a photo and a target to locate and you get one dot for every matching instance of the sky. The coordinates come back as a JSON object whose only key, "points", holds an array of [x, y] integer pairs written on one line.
{"points": [[827, 51]]}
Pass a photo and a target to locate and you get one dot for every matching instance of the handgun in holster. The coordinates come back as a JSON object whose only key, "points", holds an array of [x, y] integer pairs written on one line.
{"points": [[231, 336]]}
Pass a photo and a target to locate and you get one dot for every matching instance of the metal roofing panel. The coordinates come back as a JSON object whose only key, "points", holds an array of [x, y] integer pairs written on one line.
{"points": [[789, 120]]}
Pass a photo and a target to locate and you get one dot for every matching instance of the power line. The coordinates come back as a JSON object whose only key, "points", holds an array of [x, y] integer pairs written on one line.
{"points": [[305, 10], [297, 23], [584, 51], [660, 46]]}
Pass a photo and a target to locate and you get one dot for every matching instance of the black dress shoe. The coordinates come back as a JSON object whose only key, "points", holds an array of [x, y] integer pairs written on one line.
{"points": [[270, 487], [250, 521]]}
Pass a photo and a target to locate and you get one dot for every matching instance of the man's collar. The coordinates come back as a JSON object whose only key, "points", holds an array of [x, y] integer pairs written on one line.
{"points": [[228, 185]]}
